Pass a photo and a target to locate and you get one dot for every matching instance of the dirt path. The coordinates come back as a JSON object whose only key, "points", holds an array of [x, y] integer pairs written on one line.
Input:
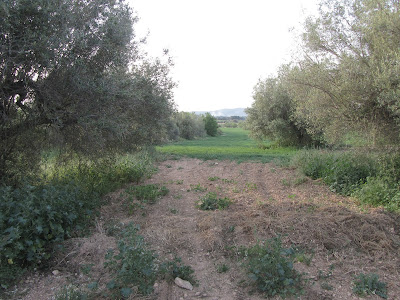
{"points": [[342, 240]]}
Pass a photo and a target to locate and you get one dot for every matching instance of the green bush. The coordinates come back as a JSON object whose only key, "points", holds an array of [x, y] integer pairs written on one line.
{"points": [[270, 268], [379, 191], [369, 284], [212, 202], [34, 218], [342, 171]]}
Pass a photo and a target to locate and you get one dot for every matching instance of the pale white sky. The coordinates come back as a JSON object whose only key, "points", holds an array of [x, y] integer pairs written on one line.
{"points": [[220, 47]]}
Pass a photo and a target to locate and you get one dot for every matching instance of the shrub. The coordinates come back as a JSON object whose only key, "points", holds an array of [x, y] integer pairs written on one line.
{"points": [[369, 284], [379, 191], [210, 125], [212, 202], [34, 218], [270, 268]]}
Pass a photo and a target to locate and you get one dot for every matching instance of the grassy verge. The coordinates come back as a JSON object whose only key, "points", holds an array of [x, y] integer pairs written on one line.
{"points": [[233, 144], [372, 178], [38, 215]]}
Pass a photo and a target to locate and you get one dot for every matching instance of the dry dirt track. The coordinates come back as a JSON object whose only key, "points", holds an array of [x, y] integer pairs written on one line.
{"points": [[267, 200]]}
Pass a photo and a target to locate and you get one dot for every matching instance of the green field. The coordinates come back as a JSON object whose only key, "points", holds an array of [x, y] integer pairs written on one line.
{"points": [[233, 144]]}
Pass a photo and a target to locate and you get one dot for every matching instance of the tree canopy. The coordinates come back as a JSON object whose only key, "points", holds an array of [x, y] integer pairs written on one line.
{"points": [[73, 74], [348, 78]]}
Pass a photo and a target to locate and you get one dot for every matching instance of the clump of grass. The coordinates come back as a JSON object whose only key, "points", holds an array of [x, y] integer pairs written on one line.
{"points": [[222, 268], [215, 178], [270, 268], [147, 193], [211, 201], [369, 284]]}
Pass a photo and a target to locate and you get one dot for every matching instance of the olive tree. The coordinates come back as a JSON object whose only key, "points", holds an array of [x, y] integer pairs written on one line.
{"points": [[73, 74], [271, 115], [349, 79]]}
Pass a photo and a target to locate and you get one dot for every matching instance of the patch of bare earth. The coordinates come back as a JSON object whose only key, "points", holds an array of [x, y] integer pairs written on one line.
{"points": [[342, 239]]}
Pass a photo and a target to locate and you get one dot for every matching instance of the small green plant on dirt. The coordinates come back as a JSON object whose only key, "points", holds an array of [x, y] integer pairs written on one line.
{"points": [[178, 196], [236, 190], [215, 178], [147, 193], [197, 188], [222, 268], [325, 276], [250, 186], [225, 180], [168, 166], [179, 182], [180, 168], [176, 268], [211, 201], [302, 256], [270, 268], [173, 211], [369, 284], [86, 269], [70, 292], [300, 180], [134, 266], [285, 182]]}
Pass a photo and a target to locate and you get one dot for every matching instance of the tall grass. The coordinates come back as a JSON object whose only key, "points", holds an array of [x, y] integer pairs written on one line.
{"points": [[373, 178]]}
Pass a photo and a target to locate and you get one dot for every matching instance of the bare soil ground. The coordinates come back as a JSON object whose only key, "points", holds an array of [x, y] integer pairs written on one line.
{"points": [[342, 239]]}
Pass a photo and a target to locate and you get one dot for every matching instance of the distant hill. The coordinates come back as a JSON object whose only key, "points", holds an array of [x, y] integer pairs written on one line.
{"points": [[228, 112]]}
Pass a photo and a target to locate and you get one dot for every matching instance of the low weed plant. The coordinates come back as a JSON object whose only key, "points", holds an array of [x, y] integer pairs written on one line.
{"points": [[211, 201], [147, 193], [369, 284], [270, 268], [134, 265], [176, 268]]}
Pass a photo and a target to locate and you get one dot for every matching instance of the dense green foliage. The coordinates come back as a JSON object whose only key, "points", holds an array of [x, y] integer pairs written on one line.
{"points": [[345, 80], [210, 124], [187, 126], [270, 268], [271, 115], [35, 218], [73, 76], [233, 144], [373, 178]]}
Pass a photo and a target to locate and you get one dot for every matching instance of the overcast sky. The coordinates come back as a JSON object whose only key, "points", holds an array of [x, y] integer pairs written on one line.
{"points": [[220, 47]]}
